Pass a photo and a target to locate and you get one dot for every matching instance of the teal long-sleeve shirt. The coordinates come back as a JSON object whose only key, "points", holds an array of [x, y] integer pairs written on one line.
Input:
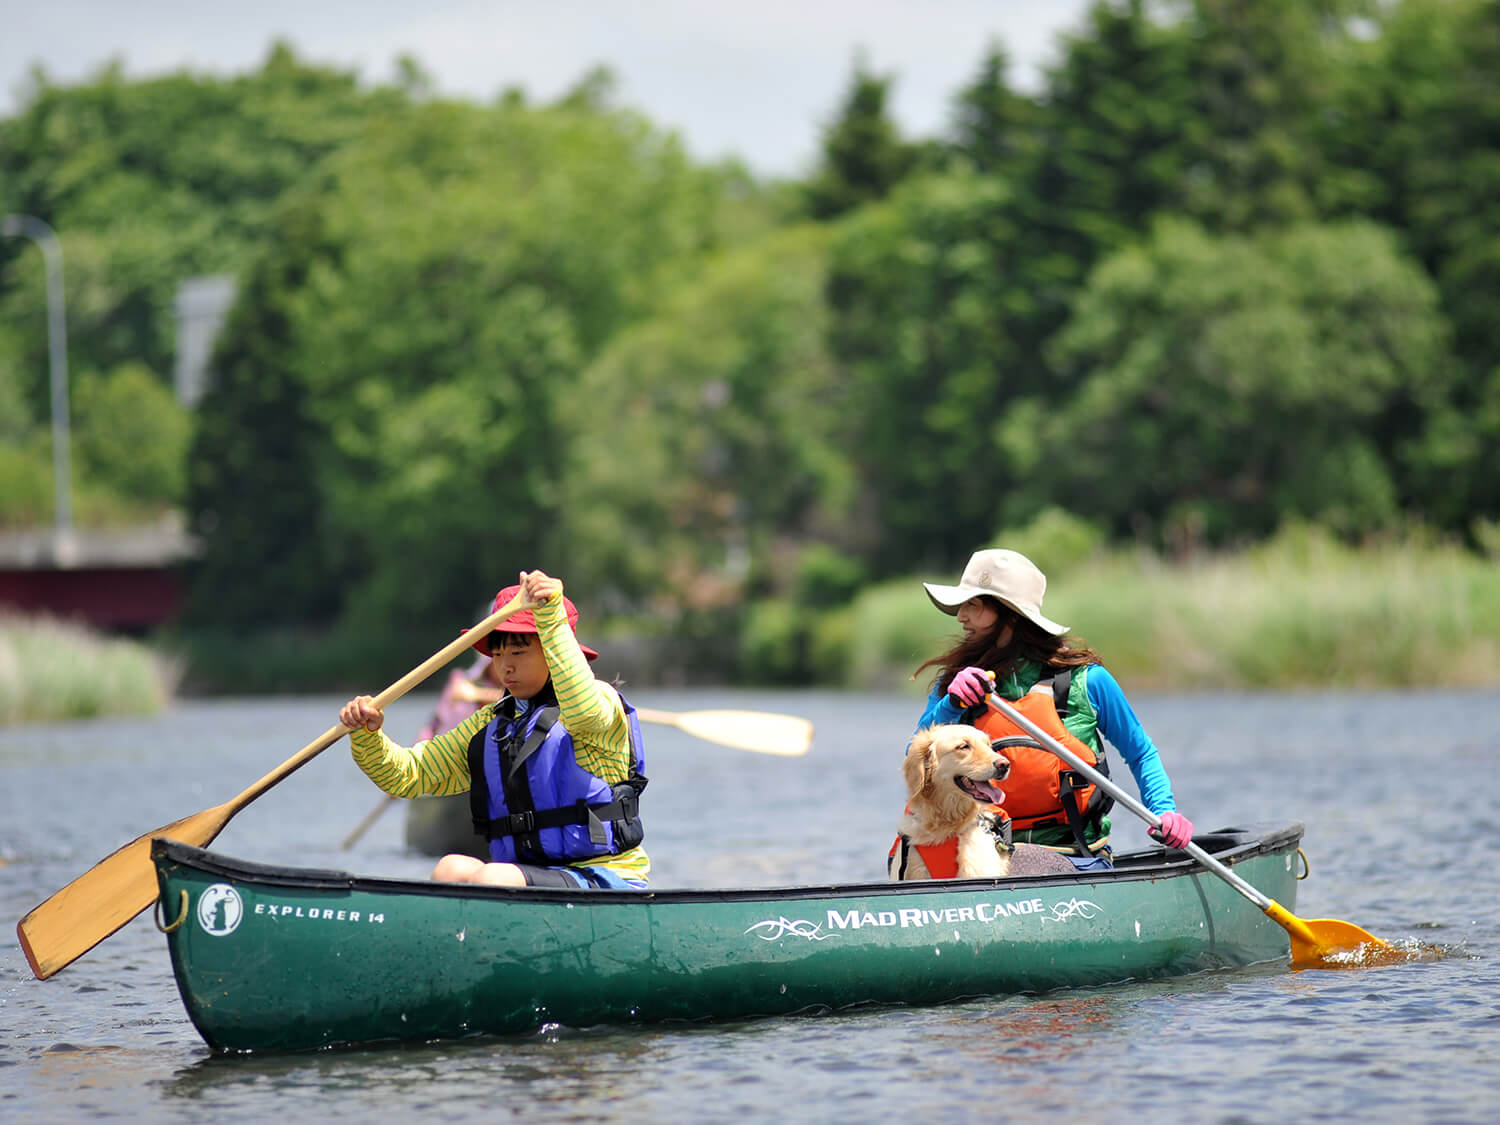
{"points": [[1115, 719]]}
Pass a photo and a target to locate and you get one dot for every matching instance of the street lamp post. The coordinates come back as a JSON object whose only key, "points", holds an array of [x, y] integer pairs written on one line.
{"points": [[57, 351]]}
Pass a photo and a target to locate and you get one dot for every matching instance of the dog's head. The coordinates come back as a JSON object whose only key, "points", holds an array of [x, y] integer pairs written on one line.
{"points": [[951, 770]]}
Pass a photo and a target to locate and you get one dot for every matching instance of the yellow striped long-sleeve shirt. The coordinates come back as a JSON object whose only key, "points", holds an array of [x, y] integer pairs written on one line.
{"points": [[589, 709]]}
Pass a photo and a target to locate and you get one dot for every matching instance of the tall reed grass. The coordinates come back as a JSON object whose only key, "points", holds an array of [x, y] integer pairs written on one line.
{"points": [[52, 669], [1300, 612]]}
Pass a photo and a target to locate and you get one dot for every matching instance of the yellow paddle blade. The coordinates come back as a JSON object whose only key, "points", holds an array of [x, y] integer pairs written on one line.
{"points": [[761, 732], [106, 896], [1330, 943]]}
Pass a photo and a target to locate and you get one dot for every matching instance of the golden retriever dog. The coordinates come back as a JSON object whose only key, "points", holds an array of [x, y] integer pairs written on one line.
{"points": [[953, 789]]}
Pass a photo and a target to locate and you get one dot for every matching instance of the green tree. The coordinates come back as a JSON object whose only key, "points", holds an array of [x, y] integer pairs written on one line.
{"points": [[1232, 383], [256, 485], [1105, 150], [927, 294], [458, 267], [1117, 119], [1424, 109], [1262, 74], [993, 126], [710, 444], [148, 182], [131, 436], [864, 156]]}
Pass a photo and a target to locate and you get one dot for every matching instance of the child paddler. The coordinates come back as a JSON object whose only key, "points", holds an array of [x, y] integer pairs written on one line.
{"points": [[553, 769]]}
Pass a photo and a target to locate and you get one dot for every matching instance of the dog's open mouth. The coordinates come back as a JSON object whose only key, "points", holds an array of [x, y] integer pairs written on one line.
{"points": [[985, 792]]}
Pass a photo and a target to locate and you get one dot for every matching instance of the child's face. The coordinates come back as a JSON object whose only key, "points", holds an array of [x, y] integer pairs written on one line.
{"points": [[518, 665]]}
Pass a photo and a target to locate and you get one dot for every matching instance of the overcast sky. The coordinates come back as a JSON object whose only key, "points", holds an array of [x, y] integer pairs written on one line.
{"points": [[756, 79]]}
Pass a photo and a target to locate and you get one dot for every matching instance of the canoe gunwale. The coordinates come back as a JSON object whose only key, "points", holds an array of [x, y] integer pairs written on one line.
{"points": [[1228, 845]]}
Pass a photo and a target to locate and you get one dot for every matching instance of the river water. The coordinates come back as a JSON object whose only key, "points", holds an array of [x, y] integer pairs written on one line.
{"points": [[1395, 791]]}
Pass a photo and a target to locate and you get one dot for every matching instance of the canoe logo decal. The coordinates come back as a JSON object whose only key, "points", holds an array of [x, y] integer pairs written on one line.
{"points": [[989, 913], [1073, 908], [220, 909], [772, 928]]}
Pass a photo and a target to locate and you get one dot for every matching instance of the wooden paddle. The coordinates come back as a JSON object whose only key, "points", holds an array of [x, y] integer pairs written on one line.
{"points": [[1316, 941], [761, 732], [120, 886]]}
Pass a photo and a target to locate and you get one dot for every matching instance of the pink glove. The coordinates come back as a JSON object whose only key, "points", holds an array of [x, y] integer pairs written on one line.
{"points": [[1175, 830], [969, 686]]}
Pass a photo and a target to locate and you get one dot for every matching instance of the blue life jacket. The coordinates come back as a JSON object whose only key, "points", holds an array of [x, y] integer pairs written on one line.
{"points": [[535, 804]]}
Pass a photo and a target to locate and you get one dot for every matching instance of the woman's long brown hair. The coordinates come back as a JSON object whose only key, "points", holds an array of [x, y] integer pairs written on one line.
{"points": [[1028, 641]]}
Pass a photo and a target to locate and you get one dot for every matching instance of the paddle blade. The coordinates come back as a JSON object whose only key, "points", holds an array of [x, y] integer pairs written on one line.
{"points": [[1328, 942], [105, 897], [760, 732]]}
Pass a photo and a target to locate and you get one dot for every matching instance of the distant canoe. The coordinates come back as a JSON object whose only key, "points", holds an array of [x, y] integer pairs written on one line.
{"points": [[282, 958], [438, 826]]}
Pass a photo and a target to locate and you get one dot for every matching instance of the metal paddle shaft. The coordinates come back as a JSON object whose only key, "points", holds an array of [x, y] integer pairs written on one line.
{"points": [[1311, 941], [93, 906]]}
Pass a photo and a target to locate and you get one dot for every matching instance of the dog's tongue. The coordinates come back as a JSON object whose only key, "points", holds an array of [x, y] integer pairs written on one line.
{"points": [[998, 794]]}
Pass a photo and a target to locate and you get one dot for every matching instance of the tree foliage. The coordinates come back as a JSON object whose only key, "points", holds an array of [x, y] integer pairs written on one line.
{"points": [[708, 436], [1236, 382], [1236, 261], [447, 281], [864, 156]]}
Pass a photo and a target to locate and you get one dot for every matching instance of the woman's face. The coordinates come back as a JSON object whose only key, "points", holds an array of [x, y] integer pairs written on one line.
{"points": [[978, 617]]}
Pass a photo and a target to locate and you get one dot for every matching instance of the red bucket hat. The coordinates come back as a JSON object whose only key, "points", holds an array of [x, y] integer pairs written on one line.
{"points": [[525, 622]]}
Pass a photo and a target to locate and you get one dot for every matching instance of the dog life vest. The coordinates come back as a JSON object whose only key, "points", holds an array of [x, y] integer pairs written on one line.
{"points": [[1041, 789], [941, 858], [534, 803]]}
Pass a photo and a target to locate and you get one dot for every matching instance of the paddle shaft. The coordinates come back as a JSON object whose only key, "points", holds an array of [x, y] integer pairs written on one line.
{"points": [[666, 718], [1124, 798], [370, 818], [432, 664]]}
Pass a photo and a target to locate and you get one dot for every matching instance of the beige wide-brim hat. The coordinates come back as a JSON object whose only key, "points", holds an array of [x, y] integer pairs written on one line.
{"points": [[1007, 576]]}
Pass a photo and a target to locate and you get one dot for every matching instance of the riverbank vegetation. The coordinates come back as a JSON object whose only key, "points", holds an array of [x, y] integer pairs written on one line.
{"points": [[1232, 269], [1301, 612], [58, 670]]}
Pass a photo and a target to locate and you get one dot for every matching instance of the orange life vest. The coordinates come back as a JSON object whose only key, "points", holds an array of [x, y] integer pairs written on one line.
{"points": [[1041, 789], [941, 859]]}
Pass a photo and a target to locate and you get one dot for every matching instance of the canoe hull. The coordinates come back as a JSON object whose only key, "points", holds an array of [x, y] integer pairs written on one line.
{"points": [[284, 959]]}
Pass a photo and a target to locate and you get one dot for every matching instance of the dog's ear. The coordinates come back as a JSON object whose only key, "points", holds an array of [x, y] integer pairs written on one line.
{"points": [[921, 760]]}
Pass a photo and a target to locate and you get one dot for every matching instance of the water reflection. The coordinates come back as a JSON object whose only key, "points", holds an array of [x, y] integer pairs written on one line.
{"points": [[97, 1079], [1022, 1032], [554, 1066]]}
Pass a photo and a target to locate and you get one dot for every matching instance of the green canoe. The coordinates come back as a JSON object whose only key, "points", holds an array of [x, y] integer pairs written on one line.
{"points": [[279, 958]]}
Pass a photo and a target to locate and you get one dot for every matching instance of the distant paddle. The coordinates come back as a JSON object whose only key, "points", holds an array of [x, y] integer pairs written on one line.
{"points": [[761, 732], [1321, 942], [120, 886]]}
